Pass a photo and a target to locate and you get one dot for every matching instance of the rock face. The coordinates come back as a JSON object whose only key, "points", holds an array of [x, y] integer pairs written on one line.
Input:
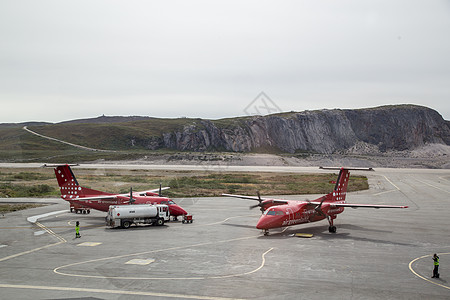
{"points": [[386, 128]]}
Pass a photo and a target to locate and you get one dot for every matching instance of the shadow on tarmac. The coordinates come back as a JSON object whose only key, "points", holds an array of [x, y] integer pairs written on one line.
{"points": [[321, 232]]}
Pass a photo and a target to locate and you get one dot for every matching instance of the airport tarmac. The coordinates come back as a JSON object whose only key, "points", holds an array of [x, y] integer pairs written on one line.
{"points": [[375, 254]]}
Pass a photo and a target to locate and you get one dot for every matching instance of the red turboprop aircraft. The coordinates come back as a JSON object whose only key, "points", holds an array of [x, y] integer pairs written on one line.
{"points": [[281, 213], [79, 196]]}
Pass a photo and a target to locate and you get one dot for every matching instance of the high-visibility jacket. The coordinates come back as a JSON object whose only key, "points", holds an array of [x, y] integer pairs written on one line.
{"points": [[77, 229], [436, 261]]}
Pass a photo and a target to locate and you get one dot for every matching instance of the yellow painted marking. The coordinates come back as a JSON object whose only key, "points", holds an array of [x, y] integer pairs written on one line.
{"points": [[304, 235], [116, 292], [420, 276], [89, 244], [141, 262], [61, 240]]}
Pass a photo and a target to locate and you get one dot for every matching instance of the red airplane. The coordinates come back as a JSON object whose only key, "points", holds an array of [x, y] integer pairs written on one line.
{"points": [[79, 196], [281, 213]]}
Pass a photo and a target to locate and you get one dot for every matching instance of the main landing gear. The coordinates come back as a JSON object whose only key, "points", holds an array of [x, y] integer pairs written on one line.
{"points": [[331, 228], [266, 232]]}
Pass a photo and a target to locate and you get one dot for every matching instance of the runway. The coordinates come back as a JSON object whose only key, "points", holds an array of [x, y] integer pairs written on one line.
{"points": [[221, 255]]}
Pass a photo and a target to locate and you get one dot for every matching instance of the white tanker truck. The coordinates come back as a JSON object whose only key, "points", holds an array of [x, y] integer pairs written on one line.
{"points": [[125, 215]]}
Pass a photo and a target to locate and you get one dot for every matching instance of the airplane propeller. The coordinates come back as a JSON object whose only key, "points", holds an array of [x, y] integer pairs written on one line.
{"points": [[259, 204], [131, 196], [160, 190]]}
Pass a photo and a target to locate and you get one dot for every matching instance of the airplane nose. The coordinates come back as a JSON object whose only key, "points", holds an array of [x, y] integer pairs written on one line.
{"points": [[264, 222], [176, 210]]}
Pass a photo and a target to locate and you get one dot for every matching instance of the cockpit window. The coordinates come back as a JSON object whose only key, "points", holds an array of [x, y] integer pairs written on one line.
{"points": [[171, 202], [274, 212]]}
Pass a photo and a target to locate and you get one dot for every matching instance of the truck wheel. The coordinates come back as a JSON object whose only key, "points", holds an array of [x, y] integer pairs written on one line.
{"points": [[160, 222], [126, 224]]}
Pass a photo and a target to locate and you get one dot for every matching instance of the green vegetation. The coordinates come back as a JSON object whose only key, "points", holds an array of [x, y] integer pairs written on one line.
{"points": [[8, 190], [42, 183], [6, 208]]}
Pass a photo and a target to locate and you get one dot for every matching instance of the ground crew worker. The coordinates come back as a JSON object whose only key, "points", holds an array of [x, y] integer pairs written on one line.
{"points": [[77, 230], [436, 266]]}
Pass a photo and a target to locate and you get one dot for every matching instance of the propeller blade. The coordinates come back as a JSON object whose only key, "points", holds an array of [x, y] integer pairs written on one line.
{"points": [[259, 204], [160, 189], [131, 196]]}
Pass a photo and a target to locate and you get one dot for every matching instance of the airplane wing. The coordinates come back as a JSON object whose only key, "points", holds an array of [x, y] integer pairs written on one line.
{"points": [[246, 197], [364, 205], [142, 193], [120, 195], [99, 197], [273, 201]]}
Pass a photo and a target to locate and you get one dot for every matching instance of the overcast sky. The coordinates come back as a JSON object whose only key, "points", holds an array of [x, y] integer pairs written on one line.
{"points": [[63, 60]]}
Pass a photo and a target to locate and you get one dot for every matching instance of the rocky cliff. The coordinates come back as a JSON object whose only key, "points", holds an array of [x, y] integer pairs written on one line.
{"points": [[399, 127]]}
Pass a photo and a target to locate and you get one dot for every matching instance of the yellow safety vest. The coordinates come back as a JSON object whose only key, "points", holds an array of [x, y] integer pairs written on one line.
{"points": [[436, 261]]}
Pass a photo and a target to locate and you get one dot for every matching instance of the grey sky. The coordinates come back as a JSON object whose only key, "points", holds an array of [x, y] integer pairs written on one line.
{"points": [[62, 60]]}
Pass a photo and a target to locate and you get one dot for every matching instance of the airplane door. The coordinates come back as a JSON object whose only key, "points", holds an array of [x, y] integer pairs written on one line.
{"points": [[291, 214]]}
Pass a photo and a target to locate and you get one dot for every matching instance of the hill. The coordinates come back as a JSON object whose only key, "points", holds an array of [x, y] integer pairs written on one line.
{"points": [[337, 131]]}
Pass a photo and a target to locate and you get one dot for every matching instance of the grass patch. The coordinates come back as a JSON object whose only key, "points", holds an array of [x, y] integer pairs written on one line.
{"points": [[8, 190], [42, 182], [7, 208]]}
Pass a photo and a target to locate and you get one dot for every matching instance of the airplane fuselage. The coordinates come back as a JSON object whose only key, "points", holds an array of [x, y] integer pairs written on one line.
{"points": [[294, 213], [103, 204]]}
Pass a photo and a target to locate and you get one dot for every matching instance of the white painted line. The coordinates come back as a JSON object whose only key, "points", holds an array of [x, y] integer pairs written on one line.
{"points": [[141, 262], [385, 192], [41, 232], [436, 187], [2, 246], [391, 183], [34, 219], [57, 270], [115, 292], [89, 244]]}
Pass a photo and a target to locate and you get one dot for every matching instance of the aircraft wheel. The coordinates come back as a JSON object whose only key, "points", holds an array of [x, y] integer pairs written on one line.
{"points": [[89, 211], [71, 209], [126, 224], [332, 229]]}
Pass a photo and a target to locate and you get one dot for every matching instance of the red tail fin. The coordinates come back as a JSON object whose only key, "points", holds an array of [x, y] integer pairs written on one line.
{"points": [[340, 189], [68, 184]]}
